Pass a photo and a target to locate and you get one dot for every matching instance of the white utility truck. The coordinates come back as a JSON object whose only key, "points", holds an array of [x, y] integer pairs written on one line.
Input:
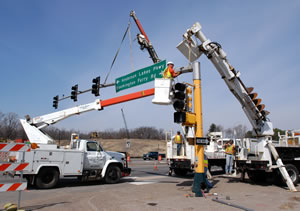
{"points": [[264, 151], [84, 159], [184, 162]]}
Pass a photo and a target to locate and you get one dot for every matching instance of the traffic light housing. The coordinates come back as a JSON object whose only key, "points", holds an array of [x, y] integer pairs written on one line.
{"points": [[55, 101], [182, 103], [189, 99], [74, 92], [179, 97], [96, 86], [185, 118]]}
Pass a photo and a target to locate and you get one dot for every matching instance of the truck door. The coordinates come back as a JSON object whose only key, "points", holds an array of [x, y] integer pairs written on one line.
{"points": [[95, 157]]}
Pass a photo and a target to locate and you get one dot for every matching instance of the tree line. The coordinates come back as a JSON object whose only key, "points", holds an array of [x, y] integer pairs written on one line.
{"points": [[11, 129], [240, 131]]}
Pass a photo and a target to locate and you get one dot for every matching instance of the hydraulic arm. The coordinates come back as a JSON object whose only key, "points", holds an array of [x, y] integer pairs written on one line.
{"points": [[251, 105], [143, 40], [33, 126]]}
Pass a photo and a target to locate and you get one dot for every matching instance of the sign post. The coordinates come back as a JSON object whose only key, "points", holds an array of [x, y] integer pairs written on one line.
{"points": [[140, 76]]}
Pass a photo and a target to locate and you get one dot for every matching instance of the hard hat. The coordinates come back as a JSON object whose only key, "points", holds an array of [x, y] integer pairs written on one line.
{"points": [[170, 63]]}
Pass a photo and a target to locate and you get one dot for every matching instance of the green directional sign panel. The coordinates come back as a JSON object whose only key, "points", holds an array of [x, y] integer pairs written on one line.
{"points": [[141, 76]]}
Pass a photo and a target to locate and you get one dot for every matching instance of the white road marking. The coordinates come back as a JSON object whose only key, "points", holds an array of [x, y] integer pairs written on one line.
{"points": [[141, 183], [130, 177]]}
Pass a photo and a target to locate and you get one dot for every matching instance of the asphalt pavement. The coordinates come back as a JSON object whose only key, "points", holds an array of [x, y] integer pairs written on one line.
{"points": [[150, 188]]}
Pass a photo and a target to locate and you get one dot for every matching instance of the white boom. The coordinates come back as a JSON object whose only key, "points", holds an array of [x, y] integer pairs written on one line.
{"points": [[33, 126], [262, 126]]}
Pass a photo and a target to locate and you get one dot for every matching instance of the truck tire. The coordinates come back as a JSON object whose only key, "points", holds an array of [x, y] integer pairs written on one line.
{"points": [[181, 172], [47, 178], [292, 171], [256, 175], [112, 175]]}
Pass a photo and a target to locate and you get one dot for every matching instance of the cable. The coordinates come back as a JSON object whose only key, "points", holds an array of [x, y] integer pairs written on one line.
{"points": [[131, 56], [117, 53]]}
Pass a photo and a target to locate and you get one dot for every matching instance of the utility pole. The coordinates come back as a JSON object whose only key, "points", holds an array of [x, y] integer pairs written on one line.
{"points": [[199, 176]]}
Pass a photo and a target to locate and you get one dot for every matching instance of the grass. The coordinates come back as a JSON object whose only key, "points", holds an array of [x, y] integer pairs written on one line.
{"points": [[138, 147]]}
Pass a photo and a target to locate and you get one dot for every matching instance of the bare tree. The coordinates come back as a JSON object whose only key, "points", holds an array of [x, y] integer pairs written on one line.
{"points": [[219, 128], [240, 131], [10, 125], [1, 125], [229, 133]]}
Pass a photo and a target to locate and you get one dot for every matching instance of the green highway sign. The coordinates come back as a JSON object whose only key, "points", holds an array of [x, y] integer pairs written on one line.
{"points": [[141, 76]]}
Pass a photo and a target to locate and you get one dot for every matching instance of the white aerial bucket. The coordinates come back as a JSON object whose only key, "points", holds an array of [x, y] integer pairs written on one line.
{"points": [[162, 91]]}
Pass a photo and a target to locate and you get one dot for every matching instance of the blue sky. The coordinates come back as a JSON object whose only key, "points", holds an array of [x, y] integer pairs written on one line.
{"points": [[48, 46]]}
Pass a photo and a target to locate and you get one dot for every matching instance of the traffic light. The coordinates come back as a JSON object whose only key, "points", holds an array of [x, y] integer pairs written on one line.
{"points": [[257, 101], [55, 101], [179, 97], [74, 92], [182, 103], [189, 99], [96, 86]]}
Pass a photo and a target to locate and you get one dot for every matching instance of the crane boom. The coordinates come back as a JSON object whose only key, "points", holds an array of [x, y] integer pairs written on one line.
{"points": [[143, 39], [251, 105], [33, 126]]}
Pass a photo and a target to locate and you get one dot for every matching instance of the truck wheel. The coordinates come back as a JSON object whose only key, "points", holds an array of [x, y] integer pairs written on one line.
{"points": [[180, 172], [293, 172], [47, 178], [113, 175], [256, 176]]}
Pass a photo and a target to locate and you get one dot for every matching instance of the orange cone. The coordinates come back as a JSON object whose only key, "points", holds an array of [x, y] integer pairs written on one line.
{"points": [[155, 166], [159, 158], [128, 157]]}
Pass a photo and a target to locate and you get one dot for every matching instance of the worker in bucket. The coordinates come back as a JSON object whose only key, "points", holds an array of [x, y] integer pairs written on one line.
{"points": [[178, 141], [229, 152], [169, 72]]}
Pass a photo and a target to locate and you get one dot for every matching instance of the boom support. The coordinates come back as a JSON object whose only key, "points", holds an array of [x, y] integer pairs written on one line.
{"points": [[254, 112], [33, 126]]}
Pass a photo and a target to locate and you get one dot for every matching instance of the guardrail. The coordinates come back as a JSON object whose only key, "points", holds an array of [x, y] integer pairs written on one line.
{"points": [[8, 164]]}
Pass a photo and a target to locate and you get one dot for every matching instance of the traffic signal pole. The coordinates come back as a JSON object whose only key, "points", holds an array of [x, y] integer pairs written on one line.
{"points": [[199, 176]]}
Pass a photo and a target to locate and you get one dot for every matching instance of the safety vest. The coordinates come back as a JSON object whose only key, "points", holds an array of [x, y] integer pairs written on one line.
{"points": [[167, 74], [229, 149], [178, 139], [205, 163]]}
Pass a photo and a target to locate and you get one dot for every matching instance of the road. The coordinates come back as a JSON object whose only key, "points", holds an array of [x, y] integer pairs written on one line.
{"points": [[150, 188]]}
